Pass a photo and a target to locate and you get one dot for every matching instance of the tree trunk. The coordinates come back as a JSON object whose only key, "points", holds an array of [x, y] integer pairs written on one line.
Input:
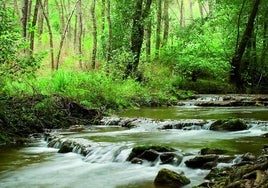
{"points": [[40, 22], [95, 42], [201, 12], [235, 74], [80, 33], [30, 2], [34, 21], [182, 13], [103, 17], [46, 15], [166, 22], [158, 28], [148, 35], [69, 28], [60, 8], [137, 34], [24, 19], [191, 11], [76, 28], [16, 8], [110, 32]]}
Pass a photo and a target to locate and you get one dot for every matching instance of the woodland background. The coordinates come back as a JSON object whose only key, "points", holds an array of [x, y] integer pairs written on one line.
{"points": [[114, 54]]}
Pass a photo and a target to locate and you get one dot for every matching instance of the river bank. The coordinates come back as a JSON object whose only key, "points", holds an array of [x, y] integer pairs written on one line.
{"points": [[22, 116]]}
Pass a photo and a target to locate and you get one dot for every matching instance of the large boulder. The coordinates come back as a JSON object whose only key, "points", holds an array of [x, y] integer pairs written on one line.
{"points": [[229, 125], [166, 177]]}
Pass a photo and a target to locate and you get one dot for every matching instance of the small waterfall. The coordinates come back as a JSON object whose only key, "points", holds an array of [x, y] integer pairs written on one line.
{"points": [[209, 98], [108, 153]]}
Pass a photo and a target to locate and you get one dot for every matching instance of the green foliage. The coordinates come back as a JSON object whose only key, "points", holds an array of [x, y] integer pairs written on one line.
{"points": [[12, 59], [117, 66], [205, 86], [94, 89]]}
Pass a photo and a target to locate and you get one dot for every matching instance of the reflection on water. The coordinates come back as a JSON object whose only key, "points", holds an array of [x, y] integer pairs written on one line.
{"points": [[194, 112]]}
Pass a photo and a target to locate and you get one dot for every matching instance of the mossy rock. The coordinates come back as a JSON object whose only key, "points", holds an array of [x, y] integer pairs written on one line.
{"points": [[166, 177], [229, 125], [66, 147]]}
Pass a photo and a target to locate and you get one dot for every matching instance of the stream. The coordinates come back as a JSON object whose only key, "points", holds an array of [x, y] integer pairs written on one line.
{"points": [[105, 166]]}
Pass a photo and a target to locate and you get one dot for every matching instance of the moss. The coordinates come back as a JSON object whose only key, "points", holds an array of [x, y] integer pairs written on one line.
{"points": [[170, 178], [228, 125]]}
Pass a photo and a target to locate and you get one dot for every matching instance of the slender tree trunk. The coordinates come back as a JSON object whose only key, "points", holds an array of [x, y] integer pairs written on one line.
{"points": [[69, 29], [110, 32], [16, 8], [64, 35], [80, 33], [60, 8], [24, 19], [148, 35], [235, 75], [239, 23], [158, 28], [30, 2], [103, 17], [166, 22], [34, 21], [94, 21], [76, 28], [40, 22], [46, 16], [191, 11], [201, 12], [182, 13]]}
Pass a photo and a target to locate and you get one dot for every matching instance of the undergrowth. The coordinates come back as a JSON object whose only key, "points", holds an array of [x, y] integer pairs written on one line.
{"points": [[93, 89]]}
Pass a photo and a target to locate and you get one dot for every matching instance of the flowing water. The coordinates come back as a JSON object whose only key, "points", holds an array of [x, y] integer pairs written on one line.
{"points": [[36, 165]]}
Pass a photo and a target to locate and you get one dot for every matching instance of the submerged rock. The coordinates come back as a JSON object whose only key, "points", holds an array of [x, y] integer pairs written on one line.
{"points": [[166, 177], [148, 152], [76, 145], [206, 151], [182, 124], [170, 158], [229, 125], [202, 161]]}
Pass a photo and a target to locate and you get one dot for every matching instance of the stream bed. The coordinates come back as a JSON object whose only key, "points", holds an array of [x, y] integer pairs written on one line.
{"points": [[105, 166]]}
